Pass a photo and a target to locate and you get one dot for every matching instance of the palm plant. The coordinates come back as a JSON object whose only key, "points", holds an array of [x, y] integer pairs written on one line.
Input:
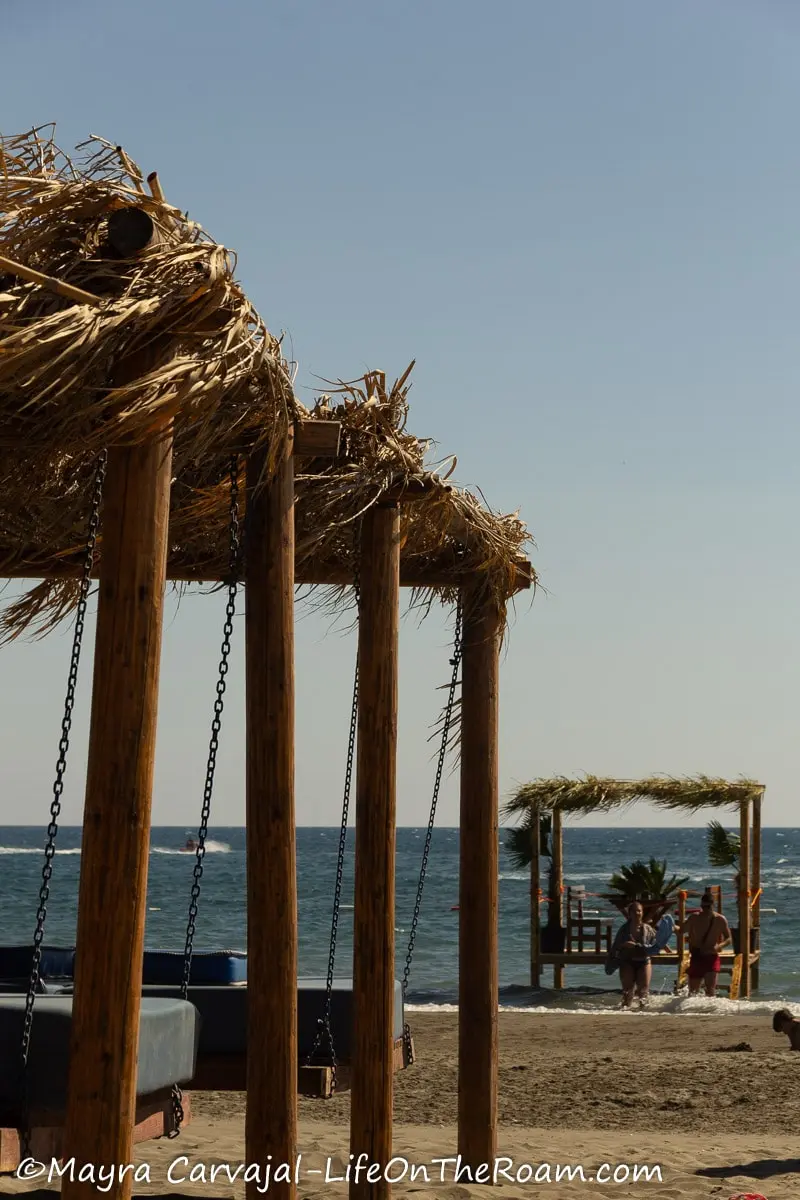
{"points": [[646, 882], [724, 848], [518, 846]]}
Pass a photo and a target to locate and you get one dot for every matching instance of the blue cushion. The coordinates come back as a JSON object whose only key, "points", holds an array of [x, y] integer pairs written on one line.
{"points": [[16, 963], [223, 1013], [159, 966], [168, 1039], [208, 966]]}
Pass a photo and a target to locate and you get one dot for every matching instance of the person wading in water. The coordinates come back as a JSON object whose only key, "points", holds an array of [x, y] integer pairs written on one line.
{"points": [[631, 954], [706, 932]]}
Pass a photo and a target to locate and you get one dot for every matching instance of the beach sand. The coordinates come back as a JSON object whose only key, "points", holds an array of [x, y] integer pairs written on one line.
{"points": [[574, 1090]]}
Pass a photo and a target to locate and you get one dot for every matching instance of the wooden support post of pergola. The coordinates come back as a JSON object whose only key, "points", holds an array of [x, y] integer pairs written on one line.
{"points": [[271, 1120], [744, 896], [558, 872], [755, 884], [536, 891], [101, 1099], [479, 820], [374, 901]]}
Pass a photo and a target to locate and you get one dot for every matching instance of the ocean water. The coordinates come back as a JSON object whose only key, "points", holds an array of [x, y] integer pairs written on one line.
{"points": [[590, 857]]}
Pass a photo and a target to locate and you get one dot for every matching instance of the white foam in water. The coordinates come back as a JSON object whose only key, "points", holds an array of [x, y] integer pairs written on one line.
{"points": [[663, 1006], [34, 850], [211, 848]]}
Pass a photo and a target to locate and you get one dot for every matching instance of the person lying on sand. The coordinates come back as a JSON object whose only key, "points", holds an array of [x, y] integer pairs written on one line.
{"points": [[706, 932], [631, 953], [784, 1022]]}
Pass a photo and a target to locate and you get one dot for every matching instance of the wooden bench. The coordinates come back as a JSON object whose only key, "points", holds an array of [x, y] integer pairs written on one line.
{"points": [[593, 933]]}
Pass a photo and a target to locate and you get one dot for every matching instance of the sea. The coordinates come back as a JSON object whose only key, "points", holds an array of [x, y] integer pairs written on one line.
{"points": [[591, 855]]}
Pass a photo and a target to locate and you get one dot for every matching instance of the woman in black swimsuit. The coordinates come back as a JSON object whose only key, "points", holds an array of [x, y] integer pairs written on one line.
{"points": [[630, 950]]}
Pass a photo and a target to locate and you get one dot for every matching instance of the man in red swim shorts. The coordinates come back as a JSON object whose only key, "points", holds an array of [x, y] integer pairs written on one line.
{"points": [[706, 932]]}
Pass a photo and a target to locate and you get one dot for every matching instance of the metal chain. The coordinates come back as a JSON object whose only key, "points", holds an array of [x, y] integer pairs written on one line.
{"points": [[58, 786], [324, 1031], [455, 662], [177, 1111], [235, 547]]}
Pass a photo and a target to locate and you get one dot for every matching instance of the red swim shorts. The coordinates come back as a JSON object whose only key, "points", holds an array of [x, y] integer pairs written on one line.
{"points": [[701, 965]]}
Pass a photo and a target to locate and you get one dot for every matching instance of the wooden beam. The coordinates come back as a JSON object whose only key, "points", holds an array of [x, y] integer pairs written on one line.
{"points": [[101, 1098], [78, 295], [536, 888], [598, 957], [155, 1118], [317, 439], [271, 1121], [478, 966], [744, 895], [681, 936], [228, 1073], [558, 870], [130, 231], [755, 882], [374, 901], [445, 572]]}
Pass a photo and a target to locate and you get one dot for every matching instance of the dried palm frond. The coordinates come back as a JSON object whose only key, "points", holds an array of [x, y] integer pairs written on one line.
{"points": [[594, 795], [174, 339]]}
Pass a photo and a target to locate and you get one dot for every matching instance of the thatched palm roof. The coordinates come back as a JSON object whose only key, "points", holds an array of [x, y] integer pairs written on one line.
{"points": [[172, 335], [594, 794]]}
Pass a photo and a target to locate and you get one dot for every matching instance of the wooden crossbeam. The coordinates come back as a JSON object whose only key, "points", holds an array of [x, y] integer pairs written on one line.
{"points": [[228, 1073], [27, 564], [9, 267], [317, 439], [155, 1118]]}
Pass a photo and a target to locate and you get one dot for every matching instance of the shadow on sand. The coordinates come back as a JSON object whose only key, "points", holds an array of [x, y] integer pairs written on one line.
{"points": [[764, 1168]]}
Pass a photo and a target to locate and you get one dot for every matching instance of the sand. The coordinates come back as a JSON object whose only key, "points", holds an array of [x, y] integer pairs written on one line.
{"points": [[624, 1090]]}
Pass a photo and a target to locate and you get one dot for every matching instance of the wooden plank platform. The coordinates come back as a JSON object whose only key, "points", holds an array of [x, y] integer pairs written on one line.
{"points": [[228, 1073], [592, 958], [154, 1119]]}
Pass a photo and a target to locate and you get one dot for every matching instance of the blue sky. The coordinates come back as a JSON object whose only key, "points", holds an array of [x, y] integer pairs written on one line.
{"points": [[581, 220]]}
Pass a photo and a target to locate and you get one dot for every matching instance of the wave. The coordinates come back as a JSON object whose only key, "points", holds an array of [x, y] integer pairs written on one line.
{"points": [[212, 847], [36, 850], [608, 1004]]}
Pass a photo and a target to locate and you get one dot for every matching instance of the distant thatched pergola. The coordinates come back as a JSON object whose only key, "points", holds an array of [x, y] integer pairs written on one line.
{"points": [[561, 796], [594, 794]]}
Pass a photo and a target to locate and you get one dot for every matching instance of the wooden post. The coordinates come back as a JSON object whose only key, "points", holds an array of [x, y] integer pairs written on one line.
{"points": [[755, 917], [536, 888], [101, 1098], [271, 1121], [681, 938], [478, 967], [558, 870], [744, 896], [373, 914]]}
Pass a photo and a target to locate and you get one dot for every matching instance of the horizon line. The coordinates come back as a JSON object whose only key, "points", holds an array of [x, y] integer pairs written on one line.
{"points": [[336, 825]]}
